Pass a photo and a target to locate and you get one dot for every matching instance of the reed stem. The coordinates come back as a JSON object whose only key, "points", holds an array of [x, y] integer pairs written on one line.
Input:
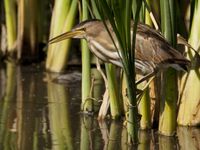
{"points": [[86, 70], [62, 20], [167, 123], [188, 114], [11, 24]]}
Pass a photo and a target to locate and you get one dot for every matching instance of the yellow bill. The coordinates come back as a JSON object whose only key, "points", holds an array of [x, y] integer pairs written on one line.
{"points": [[66, 35]]}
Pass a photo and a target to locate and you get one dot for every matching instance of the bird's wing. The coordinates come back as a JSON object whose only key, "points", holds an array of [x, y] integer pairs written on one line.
{"points": [[152, 46]]}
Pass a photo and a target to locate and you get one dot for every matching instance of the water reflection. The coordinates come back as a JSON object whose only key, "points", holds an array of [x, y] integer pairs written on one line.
{"points": [[59, 116], [189, 138], [36, 113]]}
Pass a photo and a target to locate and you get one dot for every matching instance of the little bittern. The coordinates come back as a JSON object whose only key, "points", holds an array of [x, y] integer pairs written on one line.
{"points": [[152, 51]]}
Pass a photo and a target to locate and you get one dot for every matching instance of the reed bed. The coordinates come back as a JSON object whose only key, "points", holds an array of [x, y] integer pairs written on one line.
{"points": [[172, 99]]}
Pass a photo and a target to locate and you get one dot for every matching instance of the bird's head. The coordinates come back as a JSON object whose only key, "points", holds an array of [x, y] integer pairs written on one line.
{"points": [[79, 31]]}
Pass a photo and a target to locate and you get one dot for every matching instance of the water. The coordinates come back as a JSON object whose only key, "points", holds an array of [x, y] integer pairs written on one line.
{"points": [[38, 112]]}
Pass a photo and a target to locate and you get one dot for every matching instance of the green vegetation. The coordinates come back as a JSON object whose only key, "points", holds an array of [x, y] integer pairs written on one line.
{"points": [[63, 19], [11, 24], [169, 94], [86, 70], [188, 114]]}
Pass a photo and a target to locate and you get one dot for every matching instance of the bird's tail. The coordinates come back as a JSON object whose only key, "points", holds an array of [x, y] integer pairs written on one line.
{"points": [[183, 64]]}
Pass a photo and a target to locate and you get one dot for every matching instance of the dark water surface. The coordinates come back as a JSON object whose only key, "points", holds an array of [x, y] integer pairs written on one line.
{"points": [[37, 113]]}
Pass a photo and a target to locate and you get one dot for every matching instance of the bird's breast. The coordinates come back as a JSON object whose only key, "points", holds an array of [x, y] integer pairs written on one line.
{"points": [[102, 51]]}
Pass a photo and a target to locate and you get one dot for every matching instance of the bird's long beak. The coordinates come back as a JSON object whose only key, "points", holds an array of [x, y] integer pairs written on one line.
{"points": [[67, 35]]}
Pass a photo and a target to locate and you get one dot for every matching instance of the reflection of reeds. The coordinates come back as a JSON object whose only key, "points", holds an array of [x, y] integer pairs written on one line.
{"points": [[90, 137], [188, 138], [59, 116], [10, 81], [114, 136], [104, 133], [7, 117], [144, 140], [28, 112], [167, 143], [86, 139]]}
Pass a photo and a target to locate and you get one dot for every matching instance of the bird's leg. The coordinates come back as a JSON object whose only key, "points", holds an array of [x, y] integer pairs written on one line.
{"points": [[140, 92], [104, 106], [101, 72], [105, 103], [149, 75], [147, 84]]}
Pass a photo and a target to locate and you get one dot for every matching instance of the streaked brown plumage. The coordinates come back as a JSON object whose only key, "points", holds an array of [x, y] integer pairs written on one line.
{"points": [[152, 53]]}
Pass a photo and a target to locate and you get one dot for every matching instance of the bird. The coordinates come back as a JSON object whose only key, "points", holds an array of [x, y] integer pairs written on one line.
{"points": [[153, 52]]}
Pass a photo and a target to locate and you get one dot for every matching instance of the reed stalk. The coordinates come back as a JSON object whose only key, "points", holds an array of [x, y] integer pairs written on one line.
{"points": [[43, 20], [31, 25], [144, 105], [98, 88], [113, 90], [114, 97], [148, 19], [144, 109], [128, 58], [20, 29], [154, 87], [189, 114], [63, 18], [11, 24], [86, 70], [167, 122], [32, 29]]}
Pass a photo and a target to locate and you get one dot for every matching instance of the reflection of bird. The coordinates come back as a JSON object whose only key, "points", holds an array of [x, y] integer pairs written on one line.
{"points": [[153, 52]]}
